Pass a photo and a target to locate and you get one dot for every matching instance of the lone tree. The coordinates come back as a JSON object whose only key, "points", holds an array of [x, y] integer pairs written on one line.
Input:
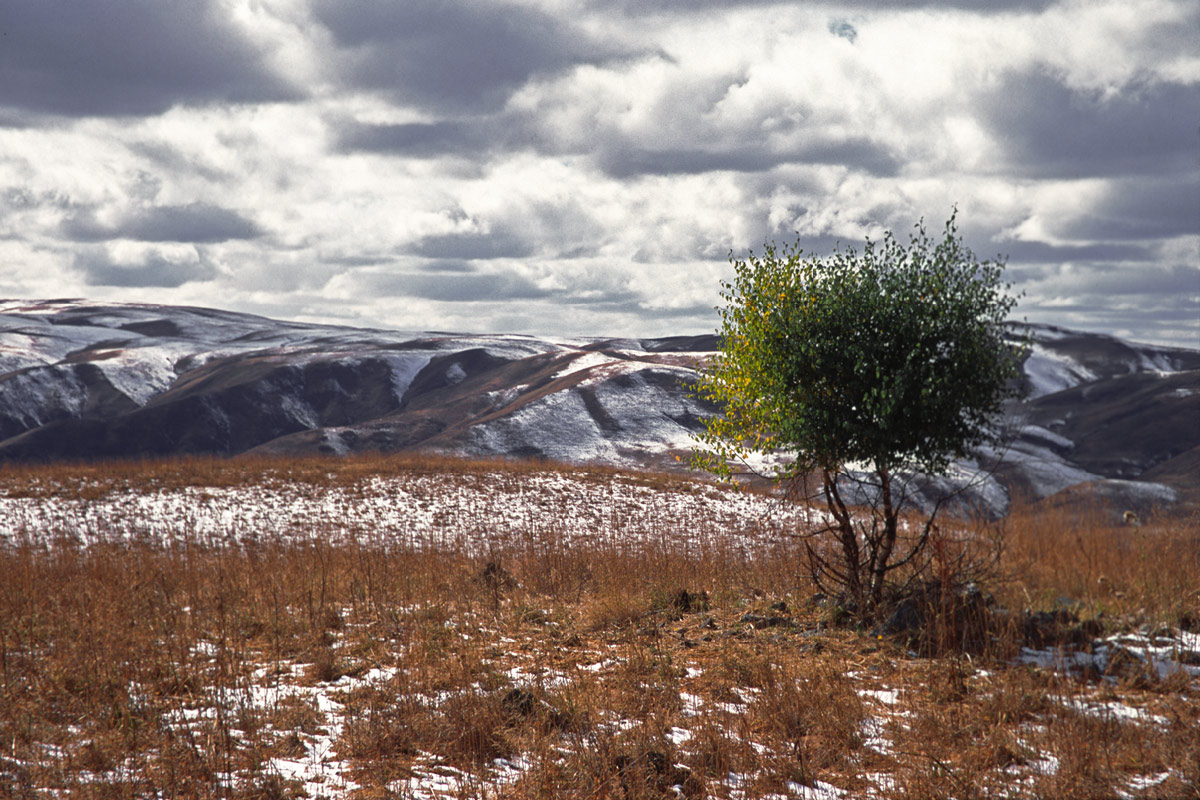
{"points": [[869, 367]]}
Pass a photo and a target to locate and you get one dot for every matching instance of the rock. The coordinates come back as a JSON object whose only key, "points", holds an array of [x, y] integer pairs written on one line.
{"points": [[907, 617], [518, 703], [1041, 629], [686, 602], [760, 622]]}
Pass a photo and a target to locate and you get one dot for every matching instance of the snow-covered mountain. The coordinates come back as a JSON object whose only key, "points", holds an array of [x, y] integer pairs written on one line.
{"points": [[79, 380], [82, 380]]}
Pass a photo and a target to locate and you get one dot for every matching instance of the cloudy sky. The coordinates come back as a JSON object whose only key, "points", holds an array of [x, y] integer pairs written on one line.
{"points": [[585, 167]]}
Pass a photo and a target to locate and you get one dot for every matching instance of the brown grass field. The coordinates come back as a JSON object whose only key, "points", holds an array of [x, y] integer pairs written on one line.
{"points": [[552, 666]]}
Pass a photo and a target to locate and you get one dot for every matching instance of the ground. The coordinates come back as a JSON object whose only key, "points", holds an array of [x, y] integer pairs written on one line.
{"points": [[421, 627]]}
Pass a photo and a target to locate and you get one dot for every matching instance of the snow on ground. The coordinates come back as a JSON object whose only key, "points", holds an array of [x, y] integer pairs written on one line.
{"points": [[1155, 362], [585, 361], [404, 367], [1046, 471], [965, 489], [475, 513], [557, 426], [1040, 434], [143, 365], [1049, 372], [1159, 654], [140, 373], [38, 395], [620, 413], [480, 513]]}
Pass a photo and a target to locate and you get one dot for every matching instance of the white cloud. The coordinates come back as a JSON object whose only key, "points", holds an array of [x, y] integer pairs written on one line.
{"points": [[597, 184]]}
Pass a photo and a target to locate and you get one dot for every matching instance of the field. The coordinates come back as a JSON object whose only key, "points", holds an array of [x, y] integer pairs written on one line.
{"points": [[426, 627]]}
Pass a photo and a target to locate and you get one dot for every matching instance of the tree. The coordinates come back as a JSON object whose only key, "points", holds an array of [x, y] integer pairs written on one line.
{"points": [[862, 365]]}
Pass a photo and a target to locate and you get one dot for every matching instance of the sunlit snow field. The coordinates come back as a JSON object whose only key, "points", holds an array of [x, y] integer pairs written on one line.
{"points": [[476, 513]]}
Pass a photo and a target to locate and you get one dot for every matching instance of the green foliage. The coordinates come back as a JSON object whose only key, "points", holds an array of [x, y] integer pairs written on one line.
{"points": [[891, 357], [875, 363]]}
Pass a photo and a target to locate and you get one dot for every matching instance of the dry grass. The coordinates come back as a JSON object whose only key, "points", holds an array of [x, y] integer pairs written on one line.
{"points": [[1147, 572], [546, 670], [95, 479]]}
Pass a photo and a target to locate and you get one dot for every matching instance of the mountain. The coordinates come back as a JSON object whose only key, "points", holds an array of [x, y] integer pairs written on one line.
{"points": [[88, 381]]}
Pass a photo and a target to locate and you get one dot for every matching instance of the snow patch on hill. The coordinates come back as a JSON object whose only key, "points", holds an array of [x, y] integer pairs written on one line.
{"points": [[557, 426], [1048, 372], [405, 367], [32, 397], [139, 373], [586, 361]]}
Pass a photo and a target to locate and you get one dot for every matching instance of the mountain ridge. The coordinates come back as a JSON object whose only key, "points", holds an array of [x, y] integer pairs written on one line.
{"points": [[83, 380]]}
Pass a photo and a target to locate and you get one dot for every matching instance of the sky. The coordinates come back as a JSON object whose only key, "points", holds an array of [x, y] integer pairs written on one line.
{"points": [[587, 168]]}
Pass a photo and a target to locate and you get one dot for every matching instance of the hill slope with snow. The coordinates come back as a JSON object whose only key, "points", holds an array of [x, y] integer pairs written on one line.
{"points": [[80, 380]]}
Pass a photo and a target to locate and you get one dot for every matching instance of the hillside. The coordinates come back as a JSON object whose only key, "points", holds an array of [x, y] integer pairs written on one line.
{"points": [[89, 381]]}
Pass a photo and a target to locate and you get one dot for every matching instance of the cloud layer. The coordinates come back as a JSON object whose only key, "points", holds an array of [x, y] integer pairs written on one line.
{"points": [[574, 167]]}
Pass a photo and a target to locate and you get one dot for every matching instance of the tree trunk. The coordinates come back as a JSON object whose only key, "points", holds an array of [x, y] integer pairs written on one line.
{"points": [[847, 537], [884, 547]]}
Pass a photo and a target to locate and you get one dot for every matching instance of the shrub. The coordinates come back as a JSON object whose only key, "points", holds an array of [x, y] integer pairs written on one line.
{"points": [[865, 365]]}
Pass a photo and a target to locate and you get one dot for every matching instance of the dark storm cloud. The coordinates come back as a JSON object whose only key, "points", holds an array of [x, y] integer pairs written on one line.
{"points": [[468, 288], [441, 265], [460, 282], [1160, 300], [1027, 274], [475, 138], [1052, 130], [629, 162], [126, 57], [153, 271], [988, 7], [1178, 281], [22, 210], [608, 301], [1140, 209], [451, 286], [354, 260], [18, 197], [448, 55], [1148, 297], [16, 118], [761, 235], [855, 153], [497, 244], [618, 153], [195, 222], [1044, 253], [1174, 318], [701, 310], [417, 139], [16, 200], [169, 159], [843, 28]]}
